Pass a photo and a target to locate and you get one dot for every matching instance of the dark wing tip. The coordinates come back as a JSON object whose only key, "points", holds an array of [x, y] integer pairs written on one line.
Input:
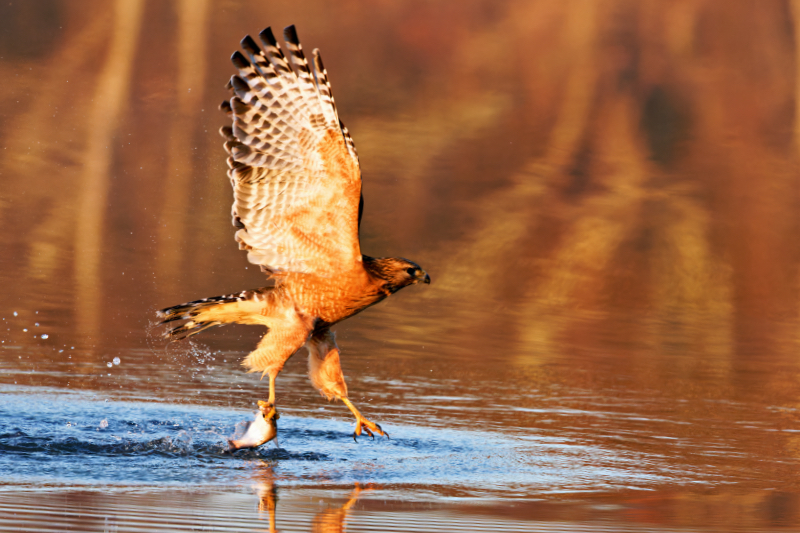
{"points": [[267, 37], [239, 86], [239, 107], [250, 46], [237, 222], [290, 35], [227, 133], [239, 61]]}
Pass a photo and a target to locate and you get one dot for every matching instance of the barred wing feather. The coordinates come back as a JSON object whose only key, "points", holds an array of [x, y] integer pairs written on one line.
{"points": [[293, 166]]}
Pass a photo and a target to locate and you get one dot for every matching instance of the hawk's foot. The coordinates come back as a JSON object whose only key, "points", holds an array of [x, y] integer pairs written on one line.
{"points": [[268, 409], [362, 424], [368, 427]]}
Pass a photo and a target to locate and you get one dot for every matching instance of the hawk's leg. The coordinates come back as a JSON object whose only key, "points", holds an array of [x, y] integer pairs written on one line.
{"points": [[272, 387], [325, 372], [287, 332]]}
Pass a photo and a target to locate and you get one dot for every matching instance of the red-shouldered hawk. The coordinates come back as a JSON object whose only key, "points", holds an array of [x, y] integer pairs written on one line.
{"points": [[297, 206]]}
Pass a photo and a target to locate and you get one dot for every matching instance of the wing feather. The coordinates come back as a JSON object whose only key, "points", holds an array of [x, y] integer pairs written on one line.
{"points": [[293, 166], [326, 95]]}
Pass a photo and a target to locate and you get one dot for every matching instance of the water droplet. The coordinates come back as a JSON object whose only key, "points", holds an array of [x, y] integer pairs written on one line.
{"points": [[36, 324], [15, 313], [24, 329], [104, 423], [109, 365], [45, 336], [116, 361]]}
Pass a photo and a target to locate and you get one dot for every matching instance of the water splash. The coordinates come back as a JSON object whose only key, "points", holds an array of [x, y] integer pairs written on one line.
{"points": [[56, 440]]}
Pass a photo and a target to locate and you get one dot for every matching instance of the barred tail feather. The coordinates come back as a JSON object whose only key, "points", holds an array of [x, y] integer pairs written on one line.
{"points": [[188, 329], [200, 315]]}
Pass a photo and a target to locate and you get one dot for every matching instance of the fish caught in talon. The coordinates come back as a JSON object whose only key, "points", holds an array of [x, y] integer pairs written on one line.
{"points": [[260, 431]]}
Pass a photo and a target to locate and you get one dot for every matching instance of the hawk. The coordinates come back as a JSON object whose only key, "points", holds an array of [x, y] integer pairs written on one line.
{"points": [[297, 207]]}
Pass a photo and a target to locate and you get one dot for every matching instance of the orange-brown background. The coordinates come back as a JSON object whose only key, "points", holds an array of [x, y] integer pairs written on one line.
{"points": [[554, 164], [614, 181]]}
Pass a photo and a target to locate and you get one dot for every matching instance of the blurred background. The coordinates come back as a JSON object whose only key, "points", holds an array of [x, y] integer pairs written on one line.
{"points": [[605, 192], [578, 171]]}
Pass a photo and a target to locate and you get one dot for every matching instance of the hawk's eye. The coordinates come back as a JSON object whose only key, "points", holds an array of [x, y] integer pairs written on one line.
{"points": [[412, 271]]}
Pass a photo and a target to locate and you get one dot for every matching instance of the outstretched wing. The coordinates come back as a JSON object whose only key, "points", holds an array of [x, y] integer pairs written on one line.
{"points": [[293, 166]]}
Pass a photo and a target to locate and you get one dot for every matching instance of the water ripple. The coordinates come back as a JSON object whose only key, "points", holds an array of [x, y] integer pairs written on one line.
{"points": [[54, 438]]}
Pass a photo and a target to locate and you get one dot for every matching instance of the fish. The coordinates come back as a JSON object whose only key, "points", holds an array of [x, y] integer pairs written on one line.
{"points": [[261, 430]]}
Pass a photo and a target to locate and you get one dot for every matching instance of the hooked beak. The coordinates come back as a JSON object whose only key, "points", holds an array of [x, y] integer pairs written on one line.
{"points": [[425, 279]]}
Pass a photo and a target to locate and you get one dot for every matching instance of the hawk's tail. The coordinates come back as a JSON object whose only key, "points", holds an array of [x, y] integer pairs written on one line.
{"points": [[215, 311]]}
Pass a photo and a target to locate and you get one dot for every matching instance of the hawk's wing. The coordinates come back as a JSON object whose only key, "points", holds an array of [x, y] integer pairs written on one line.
{"points": [[293, 166]]}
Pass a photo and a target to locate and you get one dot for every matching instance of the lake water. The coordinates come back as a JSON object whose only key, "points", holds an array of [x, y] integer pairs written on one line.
{"points": [[605, 196]]}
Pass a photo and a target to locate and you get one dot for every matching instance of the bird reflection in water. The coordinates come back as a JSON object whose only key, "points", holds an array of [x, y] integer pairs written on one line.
{"points": [[333, 520], [330, 520]]}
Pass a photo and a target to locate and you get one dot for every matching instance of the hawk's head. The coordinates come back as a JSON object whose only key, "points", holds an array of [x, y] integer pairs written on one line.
{"points": [[396, 272]]}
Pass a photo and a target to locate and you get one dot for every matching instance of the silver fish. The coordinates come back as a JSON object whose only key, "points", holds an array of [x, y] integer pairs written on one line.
{"points": [[263, 429]]}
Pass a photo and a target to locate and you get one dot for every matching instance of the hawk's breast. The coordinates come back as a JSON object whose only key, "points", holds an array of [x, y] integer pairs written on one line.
{"points": [[333, 299]]}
